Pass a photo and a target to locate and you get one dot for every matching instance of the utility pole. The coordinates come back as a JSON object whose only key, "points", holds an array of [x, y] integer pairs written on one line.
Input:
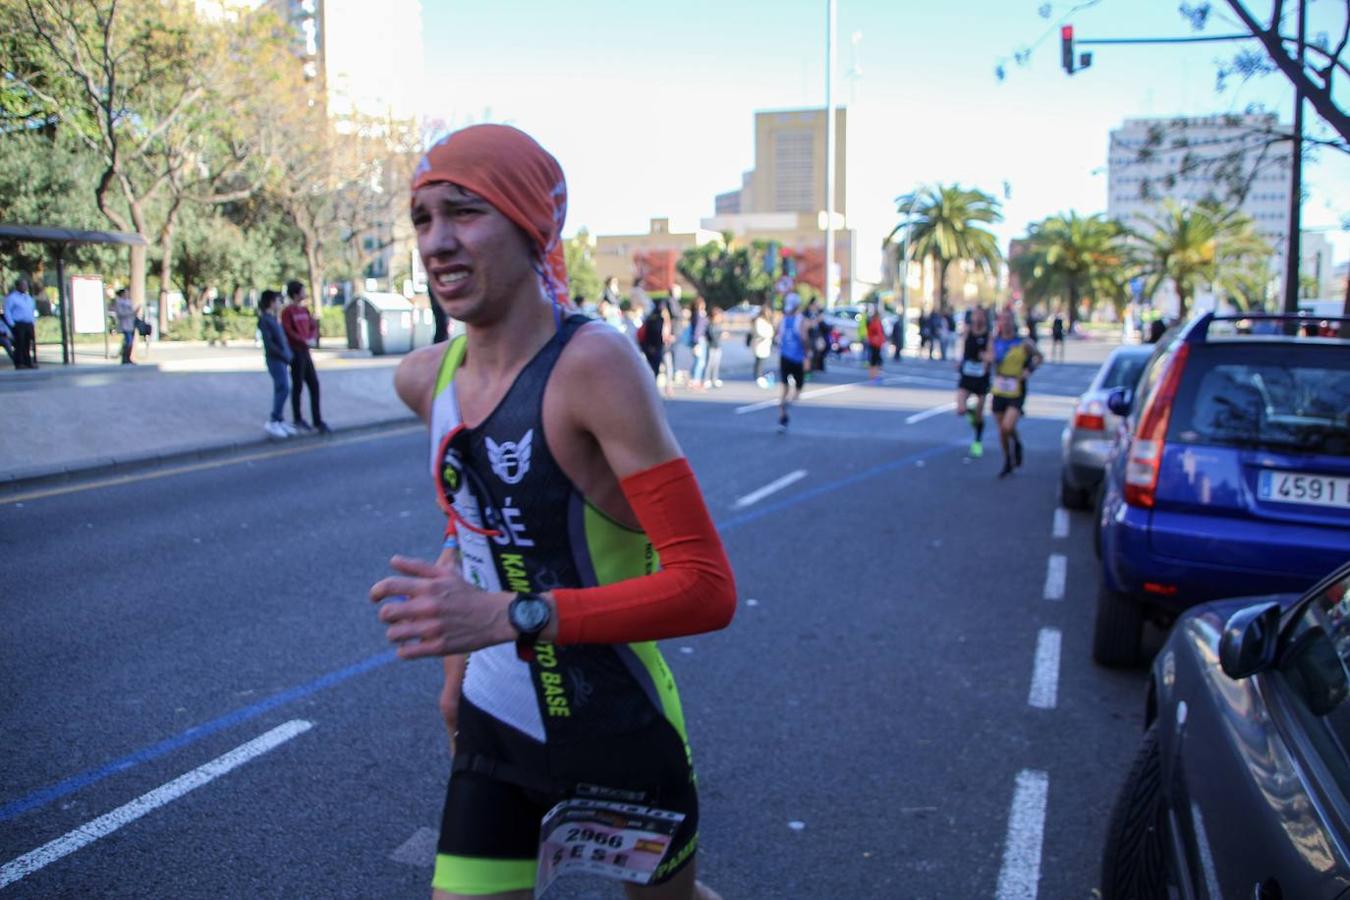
{"points": [[830, 17], [1293, 252]]}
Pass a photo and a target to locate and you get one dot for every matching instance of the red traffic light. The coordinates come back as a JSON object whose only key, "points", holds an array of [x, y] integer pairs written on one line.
{"points": [[1066, 33], [1066, 48]]}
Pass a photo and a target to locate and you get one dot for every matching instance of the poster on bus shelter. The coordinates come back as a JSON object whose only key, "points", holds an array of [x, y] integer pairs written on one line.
{"points": [[86, 304]]}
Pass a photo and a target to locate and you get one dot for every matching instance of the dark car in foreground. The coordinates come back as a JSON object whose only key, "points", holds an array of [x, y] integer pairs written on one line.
{"points": [[1241, 784], [1087, 436], [1230, 476]]}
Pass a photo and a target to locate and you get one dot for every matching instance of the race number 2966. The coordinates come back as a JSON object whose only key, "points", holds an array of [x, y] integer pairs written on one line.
{"points": [[597, 837], [1306, 488]]}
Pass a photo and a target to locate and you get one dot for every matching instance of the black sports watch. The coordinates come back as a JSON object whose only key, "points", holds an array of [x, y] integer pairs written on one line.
{"points": [[529, 614]]}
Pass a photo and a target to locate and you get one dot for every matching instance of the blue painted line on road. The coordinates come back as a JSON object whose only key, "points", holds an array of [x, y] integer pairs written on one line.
{"points": [[229, 720], [191, 736], [746, 518]]}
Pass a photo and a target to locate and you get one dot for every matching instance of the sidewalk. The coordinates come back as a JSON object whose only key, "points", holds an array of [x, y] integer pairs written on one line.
{"points": [[182, 400]]}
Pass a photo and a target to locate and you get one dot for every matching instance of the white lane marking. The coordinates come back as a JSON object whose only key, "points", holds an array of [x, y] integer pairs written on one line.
{"points": [[1020, 876], [1056, 570], [1045, 672], [917, 379], [770, 488], [124, 815], [805, 395], [929, 413], [418, 850], [1061, 529]]}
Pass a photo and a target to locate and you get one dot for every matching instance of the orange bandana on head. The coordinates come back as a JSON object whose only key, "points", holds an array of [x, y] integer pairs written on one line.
{"points": [[507, 168]]}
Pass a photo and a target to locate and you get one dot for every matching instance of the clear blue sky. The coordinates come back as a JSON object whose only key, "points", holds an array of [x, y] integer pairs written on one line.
{"points": [[649, 106]]}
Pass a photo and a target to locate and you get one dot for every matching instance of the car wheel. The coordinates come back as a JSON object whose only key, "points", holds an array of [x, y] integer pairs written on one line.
{"points": [[1134, 862], [1072, 497], [1118, 629]]}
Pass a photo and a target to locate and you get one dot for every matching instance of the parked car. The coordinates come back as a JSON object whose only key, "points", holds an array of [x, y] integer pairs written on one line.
{"points": [[1241, 784], [1231, 475], [1087, 436]]}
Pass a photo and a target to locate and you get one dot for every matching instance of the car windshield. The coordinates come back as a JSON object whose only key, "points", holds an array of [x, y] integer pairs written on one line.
{"points": [[1124, 371], [1288, 398]]}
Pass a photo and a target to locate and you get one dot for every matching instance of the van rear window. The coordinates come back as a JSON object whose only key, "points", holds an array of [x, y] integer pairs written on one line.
{"points": [[1285, 397]]}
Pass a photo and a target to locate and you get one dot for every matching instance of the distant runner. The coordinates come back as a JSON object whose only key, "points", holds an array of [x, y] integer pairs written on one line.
{"points": [[973, 380], [792, 342], [1013, 359]]}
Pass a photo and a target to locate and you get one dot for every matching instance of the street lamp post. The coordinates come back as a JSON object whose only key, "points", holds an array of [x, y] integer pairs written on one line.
{"points": [[830, 17]]}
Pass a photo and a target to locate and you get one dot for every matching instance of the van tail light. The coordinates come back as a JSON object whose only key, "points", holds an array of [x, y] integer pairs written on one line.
{"points": [[1090, 416], [1146, 451]]}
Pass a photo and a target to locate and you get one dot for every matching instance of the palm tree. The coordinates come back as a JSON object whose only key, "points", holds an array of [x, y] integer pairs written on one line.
{"points": [[946, 224], [1194, 245], [1070, 256]]}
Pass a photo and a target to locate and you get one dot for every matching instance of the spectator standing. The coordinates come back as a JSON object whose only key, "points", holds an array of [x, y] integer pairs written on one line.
{"points": [[6, 338], [21, 317], [301, 331], [1057, 338], [948, 334], [898, 334], [277, 352], [698, 342], [937, 335], [761, 342], [126, 313], [876, 343], [712, 376]]}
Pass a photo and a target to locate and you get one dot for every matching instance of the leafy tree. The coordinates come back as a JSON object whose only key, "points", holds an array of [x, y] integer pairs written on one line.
{"points": [[947, 224], [584, 281], [1070, 256], [149, 87], [726, 273], [1196, 245]]}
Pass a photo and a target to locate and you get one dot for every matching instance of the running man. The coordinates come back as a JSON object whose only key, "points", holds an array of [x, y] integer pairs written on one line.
{"points": [[1014, 359], [973, 380], [792, 342], [547, 598]]}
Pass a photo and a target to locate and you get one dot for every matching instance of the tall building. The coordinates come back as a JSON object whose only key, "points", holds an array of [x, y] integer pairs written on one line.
{"points": [[1229, 158], [782, 199], [367, 57], [789, 172]]}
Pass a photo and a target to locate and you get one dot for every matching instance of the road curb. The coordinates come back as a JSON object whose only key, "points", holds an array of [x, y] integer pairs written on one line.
{"points": [[15, 481]]}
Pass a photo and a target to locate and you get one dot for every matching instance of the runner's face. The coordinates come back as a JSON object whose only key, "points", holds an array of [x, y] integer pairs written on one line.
{"points": [[475, 257], [1005, 325], [978, 323]]}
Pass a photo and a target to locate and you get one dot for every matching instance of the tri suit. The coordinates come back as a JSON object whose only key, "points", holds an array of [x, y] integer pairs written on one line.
{"points": [[974, 370], [1012, 361], [588, 718]]}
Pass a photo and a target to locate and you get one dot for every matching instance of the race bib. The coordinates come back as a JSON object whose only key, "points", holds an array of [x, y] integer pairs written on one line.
{"points": [[1007, 385], [597, 837], [972, 368]]}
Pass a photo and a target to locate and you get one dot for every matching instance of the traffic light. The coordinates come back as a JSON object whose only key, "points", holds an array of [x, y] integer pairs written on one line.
{"points": [[771, 259], [1066, 57]]}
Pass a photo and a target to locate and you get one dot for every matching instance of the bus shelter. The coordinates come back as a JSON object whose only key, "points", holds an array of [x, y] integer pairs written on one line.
{"points": [[60, 239]]}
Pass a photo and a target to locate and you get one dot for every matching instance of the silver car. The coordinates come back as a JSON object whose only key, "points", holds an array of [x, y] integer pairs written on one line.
{"points": [[1087, 436]]}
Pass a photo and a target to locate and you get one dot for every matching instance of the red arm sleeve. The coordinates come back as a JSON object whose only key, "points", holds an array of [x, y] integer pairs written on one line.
{"points": [[694, 592]]}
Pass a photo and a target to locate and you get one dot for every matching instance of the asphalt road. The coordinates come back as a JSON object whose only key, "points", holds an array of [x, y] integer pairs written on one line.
{"points": [[196, 698]]}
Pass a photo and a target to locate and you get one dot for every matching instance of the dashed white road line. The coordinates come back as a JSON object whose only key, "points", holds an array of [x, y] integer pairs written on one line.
{"points": [[806, 395], [1045, 671], [929, 413], [772, 487], [106, 824], [1061, 529], [1056, 570], [1020, 876]]}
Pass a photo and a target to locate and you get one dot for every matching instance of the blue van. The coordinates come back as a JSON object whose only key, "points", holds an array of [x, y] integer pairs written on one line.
{"points": [[1230, 474]]}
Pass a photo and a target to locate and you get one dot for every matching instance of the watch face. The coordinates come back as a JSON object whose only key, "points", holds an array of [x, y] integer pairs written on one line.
{"points": [[529, 614]]}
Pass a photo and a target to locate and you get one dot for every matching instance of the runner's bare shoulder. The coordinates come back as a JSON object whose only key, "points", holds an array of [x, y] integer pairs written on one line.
{"points": [[415, 378], [598, 354]]}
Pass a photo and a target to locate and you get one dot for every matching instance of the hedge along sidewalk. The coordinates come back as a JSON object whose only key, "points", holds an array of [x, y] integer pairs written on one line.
{"points": [[191, 401]]}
